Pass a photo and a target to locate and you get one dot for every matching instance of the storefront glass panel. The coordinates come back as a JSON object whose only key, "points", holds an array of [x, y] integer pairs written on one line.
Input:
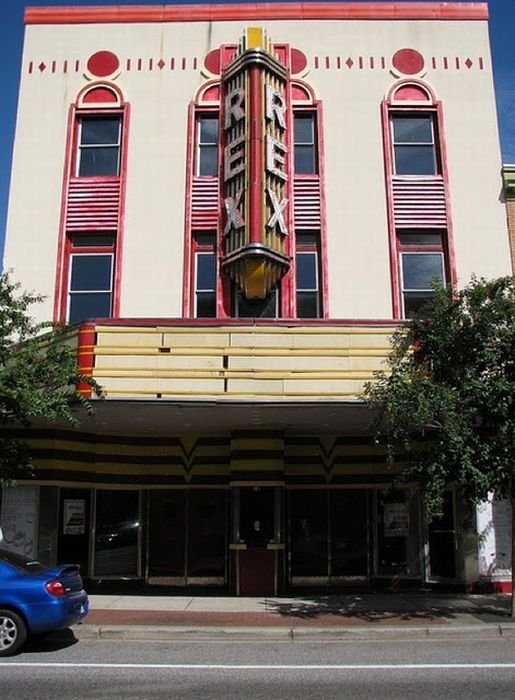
{"points": [[167, 530], [207, 534], [308, 533], [117, 525], [349, 527], [398, 535], [48, 525]]}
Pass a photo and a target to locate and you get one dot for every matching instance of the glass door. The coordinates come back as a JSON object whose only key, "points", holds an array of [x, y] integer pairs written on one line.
{"points": [[309, 536], [187, 537], [349, 534], [442, 542], [207, 537], [167, 537]]}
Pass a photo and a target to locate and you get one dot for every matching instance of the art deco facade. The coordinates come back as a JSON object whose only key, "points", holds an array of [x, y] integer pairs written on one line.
{"points": [[235, 205]]}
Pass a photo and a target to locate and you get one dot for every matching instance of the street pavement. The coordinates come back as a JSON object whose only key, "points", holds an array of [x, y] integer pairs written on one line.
{"points": [[151, 616]]}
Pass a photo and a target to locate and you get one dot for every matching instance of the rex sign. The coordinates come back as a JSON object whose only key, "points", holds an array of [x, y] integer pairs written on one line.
{"points": [[255, 169]]}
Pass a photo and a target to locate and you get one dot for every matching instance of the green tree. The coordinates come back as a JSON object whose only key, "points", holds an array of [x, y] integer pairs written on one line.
{"points": [[445, 405], [38, 377]]}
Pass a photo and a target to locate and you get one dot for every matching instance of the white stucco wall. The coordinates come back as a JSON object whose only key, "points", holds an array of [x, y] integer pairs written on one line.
{"points": [[494, 537], [358, 260]]}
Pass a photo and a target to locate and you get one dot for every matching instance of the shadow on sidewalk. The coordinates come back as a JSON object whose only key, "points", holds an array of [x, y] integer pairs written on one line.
{"points": [[394, 606]]}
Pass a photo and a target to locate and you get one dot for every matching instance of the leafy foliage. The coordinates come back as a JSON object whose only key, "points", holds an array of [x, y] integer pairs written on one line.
{"points": [[38, 377], [446, 404]]}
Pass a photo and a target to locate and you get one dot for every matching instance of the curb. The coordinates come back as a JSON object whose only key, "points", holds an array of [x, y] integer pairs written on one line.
{"points": [[286, 634]]}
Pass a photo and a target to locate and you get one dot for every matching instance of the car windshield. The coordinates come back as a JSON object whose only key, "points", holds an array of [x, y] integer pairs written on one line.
{"points": [[21, 562]]}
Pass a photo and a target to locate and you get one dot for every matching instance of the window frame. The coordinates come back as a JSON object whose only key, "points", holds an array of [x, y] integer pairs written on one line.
{"points": [[199, 145], [404, 249], [311, 248], [101, 248], [203, 248], [305, 113], [394, 113], [82, 115]]}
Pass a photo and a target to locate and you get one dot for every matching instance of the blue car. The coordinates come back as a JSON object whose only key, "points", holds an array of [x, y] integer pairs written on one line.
{"points": [[36, 599]]}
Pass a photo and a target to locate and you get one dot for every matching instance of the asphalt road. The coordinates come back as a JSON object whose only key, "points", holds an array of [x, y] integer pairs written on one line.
{"points": [[61, 668]]}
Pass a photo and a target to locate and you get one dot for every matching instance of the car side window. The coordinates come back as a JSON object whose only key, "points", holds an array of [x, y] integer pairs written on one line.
{"points": [[21, 562]]}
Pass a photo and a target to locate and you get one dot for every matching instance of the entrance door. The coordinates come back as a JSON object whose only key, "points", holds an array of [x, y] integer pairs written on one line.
{"points": [[442, 542], [328, 536], [309, 537], [207, 537], [166, 537], [349, 535], [187, 537], [257, 548]]}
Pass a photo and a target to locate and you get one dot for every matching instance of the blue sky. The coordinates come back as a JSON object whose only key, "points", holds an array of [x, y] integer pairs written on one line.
{"points": [[502, 35]]}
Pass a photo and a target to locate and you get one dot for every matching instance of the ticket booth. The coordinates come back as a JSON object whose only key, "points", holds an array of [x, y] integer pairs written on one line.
{"points": [[257, 546]]}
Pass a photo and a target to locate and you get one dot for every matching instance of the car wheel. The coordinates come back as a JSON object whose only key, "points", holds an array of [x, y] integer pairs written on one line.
{"points": [[13, 632]]}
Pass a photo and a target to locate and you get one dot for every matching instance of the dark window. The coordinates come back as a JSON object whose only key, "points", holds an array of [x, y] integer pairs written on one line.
{"points": [[91, 260], [205, 285], [307, 278], [424, 238], [257, 308], [422, 263], [442, 541], [93, 240], [207, 146], [305, 150], [99, 146], [414, 148], [90, 294], [205, 274], [307, 285]]}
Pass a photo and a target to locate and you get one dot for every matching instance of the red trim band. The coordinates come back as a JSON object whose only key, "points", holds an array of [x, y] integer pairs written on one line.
{"points": [[258, 11], [230, 322], [86, 357]]}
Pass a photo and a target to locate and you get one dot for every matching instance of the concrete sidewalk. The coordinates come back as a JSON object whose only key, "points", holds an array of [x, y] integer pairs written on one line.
{"points": [[303, 617]]}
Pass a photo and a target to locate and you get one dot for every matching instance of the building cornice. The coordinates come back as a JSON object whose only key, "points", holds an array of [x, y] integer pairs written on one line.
{"points": [[508, 176], [259, 11]]}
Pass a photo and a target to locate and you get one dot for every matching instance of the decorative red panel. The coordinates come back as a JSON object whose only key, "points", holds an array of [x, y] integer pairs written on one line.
{"points": [[204, 203], [306, 197], [419, 203], [93, 204], [100, 95]]}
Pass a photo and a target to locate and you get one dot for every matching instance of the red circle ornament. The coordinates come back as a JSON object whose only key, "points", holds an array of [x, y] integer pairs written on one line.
{"points": [[408, 62], [212, 62], [298, 61], [103, 63]]}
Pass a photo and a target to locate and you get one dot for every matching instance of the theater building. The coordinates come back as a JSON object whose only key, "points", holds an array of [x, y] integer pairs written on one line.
{"points": [[235, 205]]}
